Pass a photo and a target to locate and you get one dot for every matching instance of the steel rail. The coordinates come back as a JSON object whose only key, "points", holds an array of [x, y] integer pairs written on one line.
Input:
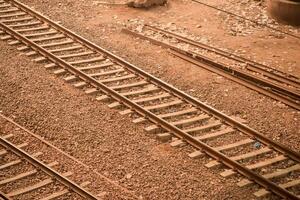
{"points": [[157, 120], [223, 70], [246, 75], [180, 94], [3, 196], [284, 90], [65, 181], [250, 20], [251, 65], [164, 124], [230, 74], [65, 154]]}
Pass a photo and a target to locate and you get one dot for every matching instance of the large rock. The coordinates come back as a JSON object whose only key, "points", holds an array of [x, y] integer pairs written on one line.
{"points": [[285, 11], [146, 3]]}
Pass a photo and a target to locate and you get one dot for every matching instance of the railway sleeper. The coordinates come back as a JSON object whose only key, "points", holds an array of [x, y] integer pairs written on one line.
{"points": [[130, 85], [258, 165], [60, 72], [120, 78], [56, 194], [197, 154], [103, 98], [107, 72], [149, 89], [143, 91], [22, 25], [51, 32], [87, 61], [56, 44], [155, 107], [264, 192], [13, 15], [40, 59], [70, 78], [6, 37], [23, 48], [252, 154], [21, 22], [104, 65], [36, 186], [207, 136], [30, 188], [4, 5], [80, 84], [91, 91], [142, 100], [7, 136], [31, 53], [62, 192], [277, 174], [9, 10], [44, 39], [25, 174], [10, 164], [86, 53], [164, 137], [16, 162], [203, 128], [168, 115], [39, 28], [4, 152], [199, 118], [75, 47], [50, 66], [14, 42]]}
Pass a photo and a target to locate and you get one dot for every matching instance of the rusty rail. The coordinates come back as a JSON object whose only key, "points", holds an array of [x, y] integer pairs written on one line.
{"points": [[250, 64], [164, 124], [154, 118], [236, 75], [65, 181]]}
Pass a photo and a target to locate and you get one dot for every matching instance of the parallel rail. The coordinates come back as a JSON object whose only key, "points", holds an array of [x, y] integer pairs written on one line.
{"points": [[23, 134], [108, 77], [278, 85], [70, 185], [268, 71]]}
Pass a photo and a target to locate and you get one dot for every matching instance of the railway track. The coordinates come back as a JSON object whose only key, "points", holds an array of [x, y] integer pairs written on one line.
{"points": [[164, 110], [24, 175], [261, 78], [33, 168]]}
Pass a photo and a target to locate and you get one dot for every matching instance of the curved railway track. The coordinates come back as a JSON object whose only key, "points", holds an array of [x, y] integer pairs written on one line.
{"points": [[23, 175], [164, 110], [261, 78]]}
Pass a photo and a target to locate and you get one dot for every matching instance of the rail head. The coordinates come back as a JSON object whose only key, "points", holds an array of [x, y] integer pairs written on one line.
{"points": [[243, 128], [65, 181], [3, 196], [285, 77], [152, 117]]}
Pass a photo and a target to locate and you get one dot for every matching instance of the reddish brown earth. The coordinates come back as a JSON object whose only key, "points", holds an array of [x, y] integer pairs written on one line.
{"points": [[111, 143]]}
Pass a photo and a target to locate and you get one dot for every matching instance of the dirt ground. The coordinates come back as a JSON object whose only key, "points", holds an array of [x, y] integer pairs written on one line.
{"points": [[111, 143]]}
